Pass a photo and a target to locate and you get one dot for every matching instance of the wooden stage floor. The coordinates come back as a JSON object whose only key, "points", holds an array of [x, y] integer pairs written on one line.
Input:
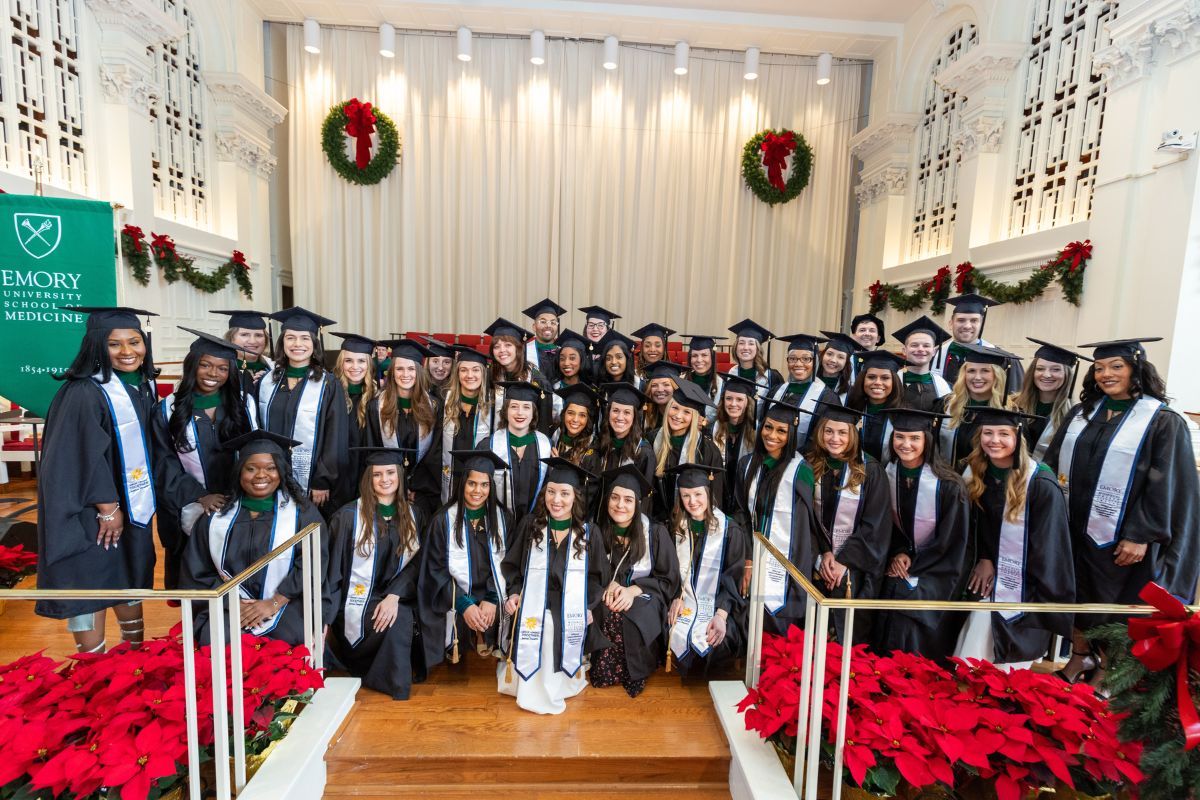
{"points": [[457, 738]]}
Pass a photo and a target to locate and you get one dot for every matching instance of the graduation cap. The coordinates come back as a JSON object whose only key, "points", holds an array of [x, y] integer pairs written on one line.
{"points": [[563, 471], [751, 330], [880, 359], [597, 312], [922, 324], [702, 341], [803, 341], [841, 341], [207, 344], [739, 385], [665, 369], [385, 456], [1058, 355], [860, 318], [579, 394], [546, 306], [410, 349], [502, 327], [469, 354], [522, 391], [260, 441], [624, 394], [986, 415], [654, 329], [353, 343], [571, 339], [1128, 348], [300, 319], [627, 477], [616, 337], [692, 396], [783, 411], [971, 303], [239, 318], [438, 349], [982, 354], [838, 412], [484, 461], [694, 476], [107, 318], [912, 420]]}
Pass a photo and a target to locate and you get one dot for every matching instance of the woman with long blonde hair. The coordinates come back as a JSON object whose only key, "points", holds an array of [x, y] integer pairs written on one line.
{"points": [[467, 419], [980, 383], [1021, 544], [371, 578], [1046, 393], [681, 440], [353, 369], [407, 415]]}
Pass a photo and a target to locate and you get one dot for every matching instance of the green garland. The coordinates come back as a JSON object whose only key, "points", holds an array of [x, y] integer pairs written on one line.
{"points": [[136, 253], [1066, 269], [756, 177], [333, 142], [176, 267]]}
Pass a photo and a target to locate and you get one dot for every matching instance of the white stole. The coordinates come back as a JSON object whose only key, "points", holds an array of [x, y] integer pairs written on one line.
{"points": [[424, 440], [808, 403], [283, 527], [532, 613], [306, 426], [362, 577], [1116, 473], [642, 568], [778, 530], [480, 430], [699, 588], [1009, 585], [133, 451], [503, 478], [925, 511], [1043, 442], [193, 463], [846, 514], [458, 562]]}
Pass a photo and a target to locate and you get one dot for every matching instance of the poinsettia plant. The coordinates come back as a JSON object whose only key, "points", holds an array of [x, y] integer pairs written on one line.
{"points": [[15, 564], [913, 724], [117, 720]]}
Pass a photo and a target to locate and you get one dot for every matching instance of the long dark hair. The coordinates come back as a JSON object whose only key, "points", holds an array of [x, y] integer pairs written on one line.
{"points": [[775, 475], [932, 458], [582, 444], [541, 519], [1145, 380], [858, 400], [287, 482], [233, 423], [316, 362], [632, 443], [630, 370], [634, 534], [93, 358], [843, 376], [493, 504]]}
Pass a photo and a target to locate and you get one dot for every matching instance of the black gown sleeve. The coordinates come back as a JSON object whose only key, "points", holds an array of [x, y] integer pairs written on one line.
{"points": [[1050, 567], [174, 488], [199, 571], [341, 546], [733, 567], [710, 456], [292, 585], [663, 581], [866, 549], [513, 565], [332, 457]]}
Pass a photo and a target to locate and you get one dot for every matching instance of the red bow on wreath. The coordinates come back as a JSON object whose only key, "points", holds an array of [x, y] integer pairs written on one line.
{"points": [[1170, 636], [134, 233], [161, 244], [360, 123], [239, 259], [1076, 253], [776, 148]]}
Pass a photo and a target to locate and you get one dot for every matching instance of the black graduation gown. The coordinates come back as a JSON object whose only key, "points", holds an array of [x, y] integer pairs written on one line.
{"points": [[329, 456], [1049, 567], [729, 598], [355, 436], [438, 592], [937, 566], [871, 434], [1162, 511], [805, 530], [644, 624], [81, 466], [963, 439], [513, 569], [175, 488], [664, 485], [249, 540], [424, 478], [392, 660], [921, 396], [865, 552], [548, 364], [248, 376], [731, 454], [601, 461]]}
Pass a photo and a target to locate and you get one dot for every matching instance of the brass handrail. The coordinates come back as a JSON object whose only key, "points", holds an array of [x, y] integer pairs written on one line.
{"points": [[160, 594], [947, 605]]}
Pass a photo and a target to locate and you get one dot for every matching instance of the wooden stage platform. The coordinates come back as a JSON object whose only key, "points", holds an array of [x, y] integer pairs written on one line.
{"points": [[457, 738]]}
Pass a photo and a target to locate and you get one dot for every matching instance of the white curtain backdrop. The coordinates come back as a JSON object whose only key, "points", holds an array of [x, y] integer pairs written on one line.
{"points": [[618, 188]]}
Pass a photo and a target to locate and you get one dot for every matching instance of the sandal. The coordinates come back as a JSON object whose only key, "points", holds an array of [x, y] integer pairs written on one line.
{"points": [[1085, 674]]}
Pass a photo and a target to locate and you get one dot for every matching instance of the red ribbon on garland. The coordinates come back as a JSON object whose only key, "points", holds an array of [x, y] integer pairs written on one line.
{"points": [[360, 123], [134, 233], [1076, 253], [962, 274], [1170, 636], [776, 148], [239, 258], [162, 244]]}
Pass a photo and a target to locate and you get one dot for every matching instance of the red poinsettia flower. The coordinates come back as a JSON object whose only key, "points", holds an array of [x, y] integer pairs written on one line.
{"points": [[25, 744], [947, 722], [857, 757], [1113, 760], [134, 763], [75, 768]]}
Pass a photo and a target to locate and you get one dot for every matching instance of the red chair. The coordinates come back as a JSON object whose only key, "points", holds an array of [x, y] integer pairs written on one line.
{"points": [[470, 339], [418, 335], [445, 338]]}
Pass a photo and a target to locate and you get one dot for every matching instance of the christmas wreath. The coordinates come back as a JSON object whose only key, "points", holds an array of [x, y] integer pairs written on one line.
{"points": [[359, 120], [770, 149]]}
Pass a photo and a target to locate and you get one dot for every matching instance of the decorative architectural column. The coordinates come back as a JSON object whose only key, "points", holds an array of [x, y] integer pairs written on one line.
{"points": [[245, 117], [885, 149], [128, 28], [1145, 279], [982, 76]]}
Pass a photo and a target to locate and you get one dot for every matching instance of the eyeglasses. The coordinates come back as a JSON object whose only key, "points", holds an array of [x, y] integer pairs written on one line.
{"points": [[595, 326], [800, 359]]}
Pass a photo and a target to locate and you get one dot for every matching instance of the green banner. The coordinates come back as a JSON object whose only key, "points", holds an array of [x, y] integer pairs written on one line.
{"points": [[52, 253]]}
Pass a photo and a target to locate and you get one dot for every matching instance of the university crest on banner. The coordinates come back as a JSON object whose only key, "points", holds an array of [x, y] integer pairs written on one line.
{"points": [[38, 234]]}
